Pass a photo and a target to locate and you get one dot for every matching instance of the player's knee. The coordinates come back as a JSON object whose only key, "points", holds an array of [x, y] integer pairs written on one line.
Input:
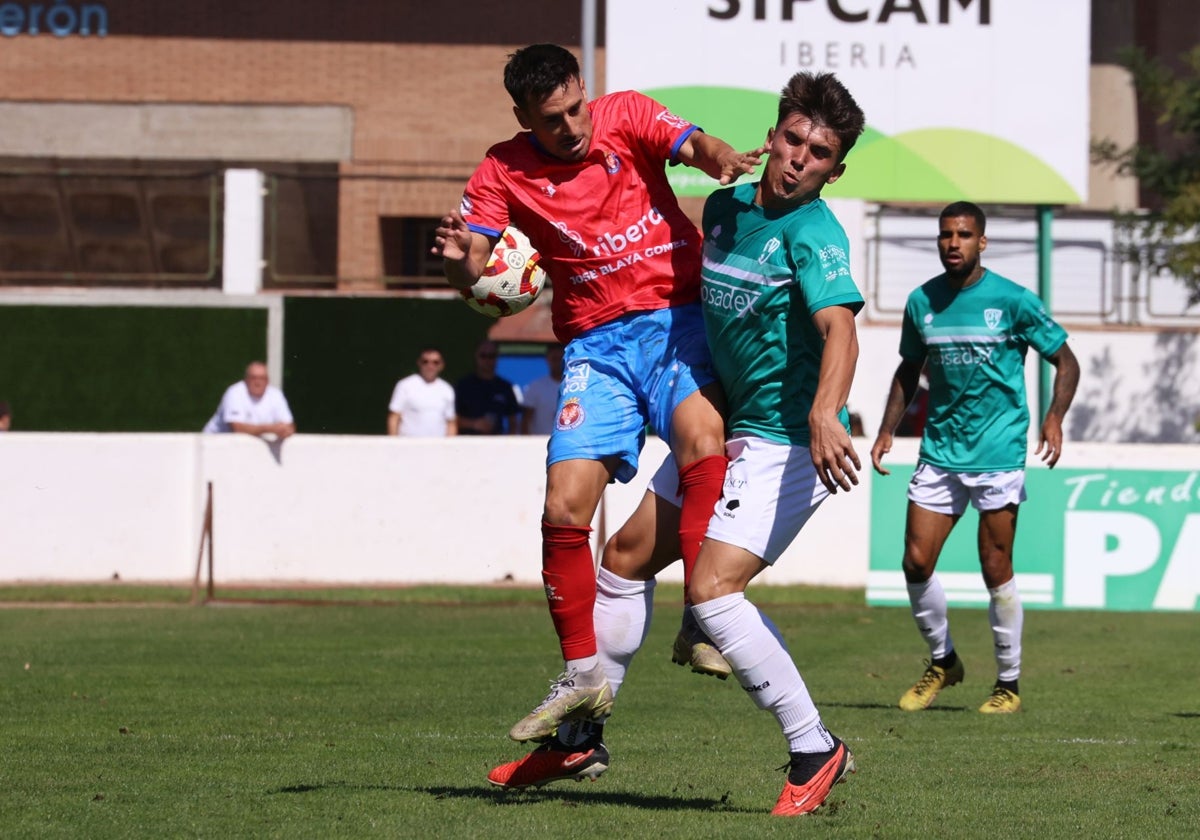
{"points": [[996, 567], [918, 568]]}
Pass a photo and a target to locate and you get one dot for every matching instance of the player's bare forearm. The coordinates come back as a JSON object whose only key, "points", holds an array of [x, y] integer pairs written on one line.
{"points": [[900, 394], [718, 159], [464, 253], [1066, 381], [832, 451]]}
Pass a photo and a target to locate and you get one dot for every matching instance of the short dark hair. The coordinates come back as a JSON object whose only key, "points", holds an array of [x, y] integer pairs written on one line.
{"points": [[964, 208], [823, 99], [536, 71]]}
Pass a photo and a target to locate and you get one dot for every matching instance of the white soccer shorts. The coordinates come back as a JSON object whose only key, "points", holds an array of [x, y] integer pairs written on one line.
{"points": [[771, 489], [944, 491]]}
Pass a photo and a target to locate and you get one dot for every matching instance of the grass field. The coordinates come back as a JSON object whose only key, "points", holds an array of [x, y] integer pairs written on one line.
{"points": [[138, 719]]}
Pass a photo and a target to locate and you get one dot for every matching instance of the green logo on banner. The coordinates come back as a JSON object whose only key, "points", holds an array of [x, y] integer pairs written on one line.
{"points": [[1086, 539], [931, 164]]}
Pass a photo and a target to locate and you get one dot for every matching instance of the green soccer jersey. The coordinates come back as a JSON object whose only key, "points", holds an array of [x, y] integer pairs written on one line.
{"points": [[765, 274], [974, 341]]}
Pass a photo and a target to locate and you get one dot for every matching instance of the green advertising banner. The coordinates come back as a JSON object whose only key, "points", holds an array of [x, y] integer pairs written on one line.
{"points": [[1113, 539]]}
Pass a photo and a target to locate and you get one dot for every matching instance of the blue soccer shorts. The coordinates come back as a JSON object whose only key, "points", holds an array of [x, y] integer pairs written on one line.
{"points": [[620, 377]]}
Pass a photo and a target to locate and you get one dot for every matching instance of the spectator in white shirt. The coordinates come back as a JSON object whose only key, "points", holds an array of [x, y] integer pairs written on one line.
{"points": [[540, 397], [422, 403], [253, 407]]}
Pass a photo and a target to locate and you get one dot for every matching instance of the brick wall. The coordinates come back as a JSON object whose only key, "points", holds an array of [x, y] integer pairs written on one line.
{"points": [[424, 110]]}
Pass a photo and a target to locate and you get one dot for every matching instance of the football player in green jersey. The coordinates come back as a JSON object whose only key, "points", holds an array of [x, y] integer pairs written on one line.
{"points": [[971, 328]]}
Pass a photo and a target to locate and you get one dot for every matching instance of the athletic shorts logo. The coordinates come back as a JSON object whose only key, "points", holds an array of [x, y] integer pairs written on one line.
{"points": [[571, 416]]}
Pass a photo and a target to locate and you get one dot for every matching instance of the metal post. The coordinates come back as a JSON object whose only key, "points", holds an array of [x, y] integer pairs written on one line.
{"points": [[1045, 217], [587, 42]]}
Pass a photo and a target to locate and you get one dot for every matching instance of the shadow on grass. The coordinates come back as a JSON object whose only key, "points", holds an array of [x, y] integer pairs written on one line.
{"points": [[890, 707], [632, 800], [529, 795], [334, 786]]}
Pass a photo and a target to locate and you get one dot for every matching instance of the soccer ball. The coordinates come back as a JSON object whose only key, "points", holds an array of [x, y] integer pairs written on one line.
{"points": [[511, 280]]}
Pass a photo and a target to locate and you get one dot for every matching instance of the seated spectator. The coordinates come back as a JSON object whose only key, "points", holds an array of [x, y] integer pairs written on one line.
{"points": [[486, 404], [253, 407], [422, 403], [541, 396]]}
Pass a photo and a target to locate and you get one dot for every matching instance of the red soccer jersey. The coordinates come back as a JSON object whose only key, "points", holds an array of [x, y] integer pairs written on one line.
{"points": [[609, 229]]}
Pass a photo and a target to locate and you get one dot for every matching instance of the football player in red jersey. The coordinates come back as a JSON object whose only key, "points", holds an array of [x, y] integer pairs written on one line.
{"points": [[586, 182]]}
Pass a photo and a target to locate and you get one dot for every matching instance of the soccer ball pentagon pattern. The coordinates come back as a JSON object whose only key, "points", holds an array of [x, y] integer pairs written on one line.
{"points": [[511, 280]]}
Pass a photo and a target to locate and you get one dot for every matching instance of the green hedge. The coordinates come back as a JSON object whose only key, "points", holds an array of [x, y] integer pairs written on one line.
{"points": [[163, 369], [122, 368], [343, 355]]}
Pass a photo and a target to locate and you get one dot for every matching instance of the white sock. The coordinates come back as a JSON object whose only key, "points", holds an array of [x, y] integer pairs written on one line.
{"points": [[582, 665], [752, 646], [622, 619], [1007, 616], [929, 610]]}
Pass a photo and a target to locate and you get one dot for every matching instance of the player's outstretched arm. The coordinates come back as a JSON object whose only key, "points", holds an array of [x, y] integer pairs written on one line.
{"points": [[464, 253], [830, 446], [718, 159], [900, 394], [1066, 380]]}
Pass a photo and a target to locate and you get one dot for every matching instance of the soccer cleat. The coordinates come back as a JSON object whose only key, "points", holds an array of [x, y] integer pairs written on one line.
{"points": [[553, 761], [805, 795], [694, 648], [573, 696], [1002, 702], [935, 678]]}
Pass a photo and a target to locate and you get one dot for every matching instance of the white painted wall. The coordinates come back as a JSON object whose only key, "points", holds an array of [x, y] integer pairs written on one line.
{"points": [[1136, 386], [242, 253], [356, 510], [321, 509]]}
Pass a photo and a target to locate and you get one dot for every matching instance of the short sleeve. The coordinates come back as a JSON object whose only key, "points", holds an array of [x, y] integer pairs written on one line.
{"points": [[1036, 327]]}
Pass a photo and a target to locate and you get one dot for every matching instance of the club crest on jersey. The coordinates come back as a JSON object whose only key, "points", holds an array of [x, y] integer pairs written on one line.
{"points": [[465, 207], [571, 416], [612, 163], [992, 317], [770, 248]]}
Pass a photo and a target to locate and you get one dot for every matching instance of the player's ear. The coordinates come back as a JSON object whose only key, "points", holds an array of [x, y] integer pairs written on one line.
{"points": [[982, 243], [836, 173], [770, 135], [520, 115]]}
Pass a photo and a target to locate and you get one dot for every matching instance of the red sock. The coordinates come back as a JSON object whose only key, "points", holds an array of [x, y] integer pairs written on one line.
{"points": [[700, 483], [569, 574]]}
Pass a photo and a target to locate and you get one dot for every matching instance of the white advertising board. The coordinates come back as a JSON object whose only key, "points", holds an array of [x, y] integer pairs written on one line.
{"points": [[985, 100]]}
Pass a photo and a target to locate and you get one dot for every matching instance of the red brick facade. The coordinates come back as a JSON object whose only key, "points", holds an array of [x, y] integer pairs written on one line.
{"points": [[424, 90]]}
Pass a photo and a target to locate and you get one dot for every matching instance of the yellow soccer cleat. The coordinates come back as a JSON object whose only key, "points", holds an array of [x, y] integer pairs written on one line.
{"points": [[935, 678], [695, 649], [1002, 702]]}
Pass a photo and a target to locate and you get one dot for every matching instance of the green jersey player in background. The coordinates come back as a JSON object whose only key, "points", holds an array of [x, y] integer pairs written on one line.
{"points": [[970, 329]]}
